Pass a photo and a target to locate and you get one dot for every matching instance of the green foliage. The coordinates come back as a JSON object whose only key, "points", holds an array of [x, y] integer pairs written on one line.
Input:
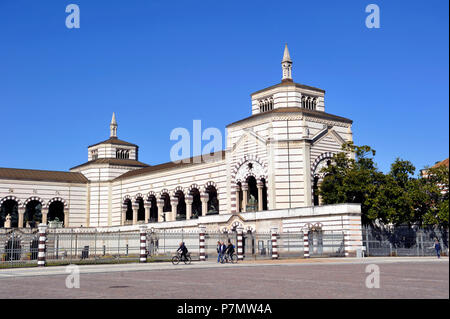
{"points": [[396, 197]]}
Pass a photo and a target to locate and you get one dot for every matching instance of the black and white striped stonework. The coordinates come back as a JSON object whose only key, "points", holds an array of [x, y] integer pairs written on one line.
{"points": [[41, 246], [274, 243], [202, 254], [305, 244], [240, 251], [143, 244]]}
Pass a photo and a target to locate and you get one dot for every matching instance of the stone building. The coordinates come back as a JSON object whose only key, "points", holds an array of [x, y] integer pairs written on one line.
{"points": [[268, 173]]}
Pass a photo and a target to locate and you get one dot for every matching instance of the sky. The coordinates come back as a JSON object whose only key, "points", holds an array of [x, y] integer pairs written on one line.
{"points": [[160, 65]]}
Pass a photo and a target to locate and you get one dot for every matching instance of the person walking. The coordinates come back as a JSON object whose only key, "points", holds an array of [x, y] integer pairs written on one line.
{"points": [[437, 247], [219, 251], [223, 250]]}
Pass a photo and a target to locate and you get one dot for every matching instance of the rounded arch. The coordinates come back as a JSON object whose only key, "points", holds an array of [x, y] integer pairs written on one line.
{"points": [[138, 196], [127, 203], [9, 211], [165, 196], [33, 211], [181, 205], [34, 198], [194, 191], [210, 184], [210, 188], [14, 198], [249, 165], [316, 166], [150, 195], [125, 200], [177, 190], [56, 210], [57, 199], [248, 158], [164, 191]]}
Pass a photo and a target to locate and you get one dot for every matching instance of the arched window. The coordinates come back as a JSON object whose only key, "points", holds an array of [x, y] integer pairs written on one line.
{"points": [[213, 202]]}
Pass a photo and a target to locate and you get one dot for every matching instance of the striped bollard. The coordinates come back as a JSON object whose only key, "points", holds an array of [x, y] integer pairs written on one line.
{"points": [[240, 251], [305, 243], [202, 254], [273, 234], [143, 244], [41, 247]]}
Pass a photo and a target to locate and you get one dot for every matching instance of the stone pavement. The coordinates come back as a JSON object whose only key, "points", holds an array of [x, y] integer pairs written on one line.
{"points": [[306, 278]]}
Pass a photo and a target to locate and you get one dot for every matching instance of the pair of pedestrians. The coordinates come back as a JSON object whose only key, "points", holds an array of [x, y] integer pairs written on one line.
{"points": [[223, 250]]}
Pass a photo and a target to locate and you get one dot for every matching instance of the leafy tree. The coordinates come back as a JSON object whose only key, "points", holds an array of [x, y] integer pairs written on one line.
{"points": [[435, 191], [392, 202], [352, 178], [394, 198]]}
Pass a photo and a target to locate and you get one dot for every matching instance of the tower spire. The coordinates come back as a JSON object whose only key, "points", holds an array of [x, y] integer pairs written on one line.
{"points": [[113, 126], [286, 65]]}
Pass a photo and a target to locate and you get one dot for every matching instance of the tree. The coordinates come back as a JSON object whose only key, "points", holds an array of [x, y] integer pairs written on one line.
{"points": [[394, 198], [435, 197], [352, 180], [393, 202]]}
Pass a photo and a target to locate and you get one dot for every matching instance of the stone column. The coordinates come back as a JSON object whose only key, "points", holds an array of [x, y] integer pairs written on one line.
{"points": [[66, 217], [238, 202], [189, 199], [306, 150], [44, 211], [204, 198], [174, 203], [124, 214], [135, 207], [42, 243], [305, 243], [240, 250], [202, 251], [160, 204], [21, 211], [260, 185], [143, 244], [274, 235], [244, 196], [147, 206]]}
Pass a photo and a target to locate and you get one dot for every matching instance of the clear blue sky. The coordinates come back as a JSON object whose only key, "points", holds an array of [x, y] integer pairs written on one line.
{"points": [[161, 64]]}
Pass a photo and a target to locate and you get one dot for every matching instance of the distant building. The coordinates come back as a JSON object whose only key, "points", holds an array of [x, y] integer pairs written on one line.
{"points": [[424, 172]]}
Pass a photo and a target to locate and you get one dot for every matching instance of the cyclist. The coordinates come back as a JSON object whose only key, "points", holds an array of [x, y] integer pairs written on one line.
{"points": [[230, 249], [183, 250]]}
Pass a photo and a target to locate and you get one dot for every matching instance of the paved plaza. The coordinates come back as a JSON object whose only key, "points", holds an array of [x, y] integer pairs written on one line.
{"points": [[313, 278]]}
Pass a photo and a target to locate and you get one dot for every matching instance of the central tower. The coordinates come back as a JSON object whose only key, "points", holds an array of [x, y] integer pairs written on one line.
{"points": [[286, 65], [287, 93]]}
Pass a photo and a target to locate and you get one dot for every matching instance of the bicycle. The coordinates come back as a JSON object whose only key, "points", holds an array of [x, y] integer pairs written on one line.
{"points": [[177, 258], [229, 258]]}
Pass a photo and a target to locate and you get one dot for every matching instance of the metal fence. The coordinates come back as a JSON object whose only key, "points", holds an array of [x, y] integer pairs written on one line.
{"points": [[403, 241], [19, 248], [326, 244]]}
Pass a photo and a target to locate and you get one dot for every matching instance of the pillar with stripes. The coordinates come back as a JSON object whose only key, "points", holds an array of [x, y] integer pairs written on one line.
{"points": [[42, 243], [240, 250], [274, 235], [305, 243], [202, 252], [143, 244]]}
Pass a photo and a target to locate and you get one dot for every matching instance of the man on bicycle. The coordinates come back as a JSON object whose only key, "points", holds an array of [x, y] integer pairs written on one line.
{"points": [[183, 250], [230, 249]]}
